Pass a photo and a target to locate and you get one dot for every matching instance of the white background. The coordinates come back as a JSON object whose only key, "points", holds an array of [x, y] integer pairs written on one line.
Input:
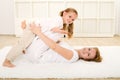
{"points": [[7, 17]]}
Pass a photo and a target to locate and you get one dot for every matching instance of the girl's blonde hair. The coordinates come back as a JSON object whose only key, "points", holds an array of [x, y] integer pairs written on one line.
{"points": [[70, 27], [97, 58]]}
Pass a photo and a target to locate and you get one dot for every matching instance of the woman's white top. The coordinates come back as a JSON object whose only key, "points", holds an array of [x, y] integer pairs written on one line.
{"points": [[50, 56]]}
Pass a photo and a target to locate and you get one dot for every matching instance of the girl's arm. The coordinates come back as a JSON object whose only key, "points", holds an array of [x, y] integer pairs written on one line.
{"points": [[58, 30], [66, 53]]}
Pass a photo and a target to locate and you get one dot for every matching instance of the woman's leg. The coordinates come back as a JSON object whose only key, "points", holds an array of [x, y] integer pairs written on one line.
{"points": [[17, 50]]}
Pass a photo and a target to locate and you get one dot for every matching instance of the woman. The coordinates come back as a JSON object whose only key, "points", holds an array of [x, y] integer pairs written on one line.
{"points": [[61, 52]]}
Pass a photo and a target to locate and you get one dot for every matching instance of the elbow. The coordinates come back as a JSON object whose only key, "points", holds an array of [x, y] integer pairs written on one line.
{"points": [[69, 57]]}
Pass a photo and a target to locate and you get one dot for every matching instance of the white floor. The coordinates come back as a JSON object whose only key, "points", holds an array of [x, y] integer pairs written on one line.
{"points": [[108, 68]]}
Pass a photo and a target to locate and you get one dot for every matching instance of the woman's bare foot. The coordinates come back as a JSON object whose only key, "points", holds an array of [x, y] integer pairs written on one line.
{"points": [[7, 63]]}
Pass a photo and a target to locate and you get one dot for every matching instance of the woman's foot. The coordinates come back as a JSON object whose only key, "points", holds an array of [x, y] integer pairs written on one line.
{"points": [[7, 63]]}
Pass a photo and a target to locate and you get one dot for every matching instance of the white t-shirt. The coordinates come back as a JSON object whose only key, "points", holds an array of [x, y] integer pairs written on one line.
{"points": [[37, 47], [51, 56], [47, 23]]}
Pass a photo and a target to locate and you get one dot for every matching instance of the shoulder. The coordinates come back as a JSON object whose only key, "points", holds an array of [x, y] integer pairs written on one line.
{"points": [[75, 54]]}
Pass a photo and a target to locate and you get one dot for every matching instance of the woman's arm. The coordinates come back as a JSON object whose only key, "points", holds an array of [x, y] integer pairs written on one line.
{"points": [[66, 53]]}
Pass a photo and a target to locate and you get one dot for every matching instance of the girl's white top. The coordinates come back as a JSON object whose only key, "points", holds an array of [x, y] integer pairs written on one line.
{"points": [[47, 23]]}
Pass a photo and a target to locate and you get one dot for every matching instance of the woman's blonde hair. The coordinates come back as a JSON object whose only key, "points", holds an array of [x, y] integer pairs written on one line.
{"points": [[97, 58], [70, 27]]}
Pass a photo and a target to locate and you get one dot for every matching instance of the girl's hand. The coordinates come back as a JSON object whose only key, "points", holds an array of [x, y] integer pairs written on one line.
{"points": [[63, 32], [58, 30], [36, 29], [23, 24]]}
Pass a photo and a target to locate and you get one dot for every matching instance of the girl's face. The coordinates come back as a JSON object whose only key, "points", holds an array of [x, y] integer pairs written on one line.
{"points": [[87, 53], [69, 17]]}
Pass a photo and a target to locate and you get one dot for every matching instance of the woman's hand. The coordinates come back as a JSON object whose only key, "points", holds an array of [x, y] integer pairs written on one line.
{"points": [[23, 24], [58, 30], [36, 29]]}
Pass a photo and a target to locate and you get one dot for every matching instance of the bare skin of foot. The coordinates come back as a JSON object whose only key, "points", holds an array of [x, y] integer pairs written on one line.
{"points": [[7, 63]]}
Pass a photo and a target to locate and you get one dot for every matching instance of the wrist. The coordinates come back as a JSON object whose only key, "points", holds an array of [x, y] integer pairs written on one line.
{"points": [[39, 33]]}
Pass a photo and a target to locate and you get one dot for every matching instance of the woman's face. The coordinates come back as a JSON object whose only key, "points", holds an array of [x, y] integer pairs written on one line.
{"points": [[69, 17], [87, 53]]}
